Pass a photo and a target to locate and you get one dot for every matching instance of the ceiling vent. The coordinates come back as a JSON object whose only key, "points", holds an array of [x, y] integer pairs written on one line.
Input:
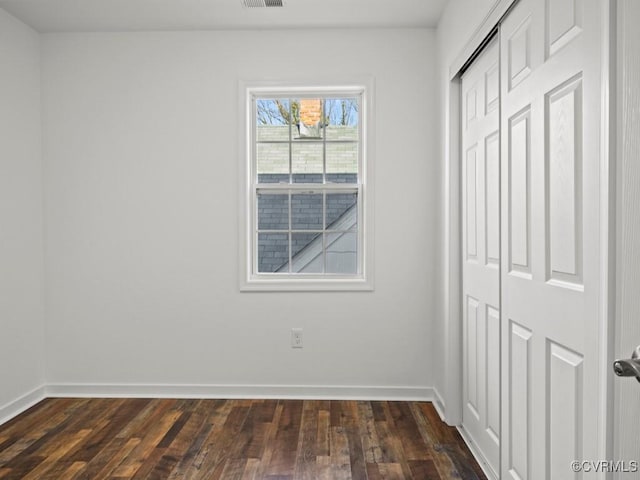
{"points": [[262, 3]]}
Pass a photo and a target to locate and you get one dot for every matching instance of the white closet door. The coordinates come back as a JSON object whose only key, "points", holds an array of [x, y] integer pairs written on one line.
{"points": [[481, 253], [550, 157]]}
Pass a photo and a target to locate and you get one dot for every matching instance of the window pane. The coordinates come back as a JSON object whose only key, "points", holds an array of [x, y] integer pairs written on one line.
{"points": [[341, 117], [342, 249], [306, 229], [273, 178], [306, 253], [342, 211], [307, 115], [342, 162], [272, 162], [273, 251], [307, 162], [273, 211], [272, 120], [306, 211], [342, 178]]}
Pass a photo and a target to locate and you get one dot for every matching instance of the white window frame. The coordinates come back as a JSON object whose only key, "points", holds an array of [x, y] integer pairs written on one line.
{"points": [[250, 279]]}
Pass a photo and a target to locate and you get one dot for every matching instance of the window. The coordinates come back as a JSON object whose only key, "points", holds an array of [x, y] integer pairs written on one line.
{"points": [[306, 179]]}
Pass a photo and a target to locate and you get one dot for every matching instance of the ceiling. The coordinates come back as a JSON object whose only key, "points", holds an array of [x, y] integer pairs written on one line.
{"points": [[145, 15]]}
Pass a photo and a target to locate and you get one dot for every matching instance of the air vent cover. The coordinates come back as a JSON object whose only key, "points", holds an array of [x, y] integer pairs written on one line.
{"points": [[263, 3]]}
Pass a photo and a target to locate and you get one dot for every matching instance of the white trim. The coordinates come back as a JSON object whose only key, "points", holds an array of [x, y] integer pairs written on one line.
{"points": [[302, 392], [19, 405], [248, 281], [608, 196], [491, 20], [438, 404], [307, 285], [477, 454], [453, 254]]}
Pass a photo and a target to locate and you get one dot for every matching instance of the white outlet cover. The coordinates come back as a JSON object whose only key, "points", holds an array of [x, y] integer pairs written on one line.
{"points": [[296, 338]]}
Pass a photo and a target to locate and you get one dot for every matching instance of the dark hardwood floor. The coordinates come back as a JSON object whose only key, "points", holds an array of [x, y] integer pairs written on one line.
{"points": [[232, 439]]}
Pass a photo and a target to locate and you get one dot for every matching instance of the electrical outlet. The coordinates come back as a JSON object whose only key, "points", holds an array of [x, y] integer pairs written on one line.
{"points": [[296, 338]]}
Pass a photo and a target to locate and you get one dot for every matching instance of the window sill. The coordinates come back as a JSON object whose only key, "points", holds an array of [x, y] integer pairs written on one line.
{"points": [[307, 285]]}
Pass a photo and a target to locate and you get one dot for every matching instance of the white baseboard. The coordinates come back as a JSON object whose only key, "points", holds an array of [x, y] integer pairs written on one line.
{"points": [[299, 392], [19, 405], [478, 455], [438, 404], [302, 392]]}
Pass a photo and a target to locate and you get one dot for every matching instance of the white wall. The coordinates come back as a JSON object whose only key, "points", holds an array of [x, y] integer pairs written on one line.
{"points": [[141, 157], [21, 222], [457, 25]]}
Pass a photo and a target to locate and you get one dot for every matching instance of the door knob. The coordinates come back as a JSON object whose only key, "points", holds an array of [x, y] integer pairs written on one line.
{"points": [[629, 367]]}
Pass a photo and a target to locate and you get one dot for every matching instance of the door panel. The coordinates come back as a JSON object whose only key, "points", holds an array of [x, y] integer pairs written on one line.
{"points": [[519, 206], [481, 259], [518, 450], [492, 342], [550, 100], [563, 182], [565, 396], [492, 199], [563, 23], [472, 203]]}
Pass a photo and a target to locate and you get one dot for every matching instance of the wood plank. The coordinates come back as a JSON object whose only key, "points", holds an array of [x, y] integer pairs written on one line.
{"points": [[336, 414], [119, 413], [226, 443], [73, 470], [356, 452], [66, 444], [233, 469], [305, 463], [385, 440], [431, 427], [272, 430], [174, 430], [117, 458], [322, 434], [283, 458], [251, 469], [219, 413], [185, 461], [368, 433], [151, 462], [409, 434], [438, 431], [26, 465], [373, 472], [264, 410], [391, 471], [378, 411], [190, 423], [340, 459], [35, 437], [15, 449], [154, 434], [424, 469], [36, 416], [395, 442], [108, 453]]}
